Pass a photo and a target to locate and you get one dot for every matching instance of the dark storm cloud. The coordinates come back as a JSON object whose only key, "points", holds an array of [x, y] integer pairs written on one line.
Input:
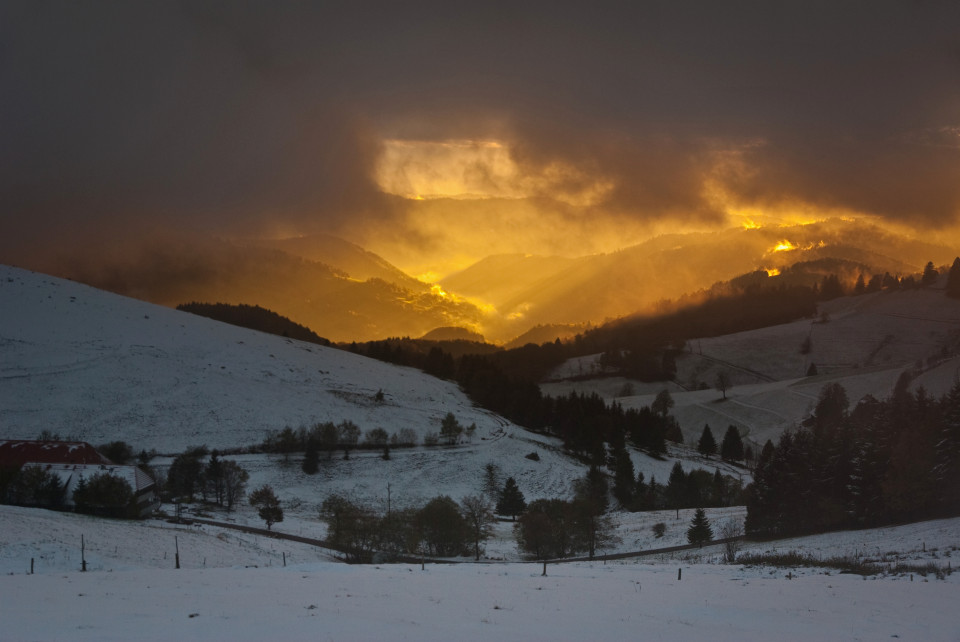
{"points": [[130, 111], [232, 117]]}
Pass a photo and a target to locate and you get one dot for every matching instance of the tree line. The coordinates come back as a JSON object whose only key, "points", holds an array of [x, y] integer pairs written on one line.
{"points": [[327, 437], [544, 529], [102, 493], [216, 480]]}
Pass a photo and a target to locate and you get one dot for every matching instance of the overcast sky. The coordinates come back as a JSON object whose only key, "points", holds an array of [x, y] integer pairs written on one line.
{"points": [[272, 117]]}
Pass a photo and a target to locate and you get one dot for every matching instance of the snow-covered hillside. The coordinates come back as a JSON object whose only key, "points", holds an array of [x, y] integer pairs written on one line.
{"points": [[99, 367], [96, 366], [864, 343]]}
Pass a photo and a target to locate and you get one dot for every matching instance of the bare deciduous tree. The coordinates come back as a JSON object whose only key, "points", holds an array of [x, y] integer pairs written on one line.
{"points": [[722, 382], [478, 512], [732, 531]]}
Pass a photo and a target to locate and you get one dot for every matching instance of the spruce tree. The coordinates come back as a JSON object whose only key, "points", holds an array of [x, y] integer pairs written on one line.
{"points": [[953, 279], [311, 458], [699, 531], [511, 500], [947, 470], [105, 494], [718, 489], [212, 479], [450, 429], [676, 487], [663, 403], [640, 493], [861, 285], [707, 445], [673, 432], [592, 488], [491, 481], [624, 482], [732, 447], [655, 493]]}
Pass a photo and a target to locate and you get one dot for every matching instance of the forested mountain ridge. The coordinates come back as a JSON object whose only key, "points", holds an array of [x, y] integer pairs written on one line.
{"points": [[255, 318]]}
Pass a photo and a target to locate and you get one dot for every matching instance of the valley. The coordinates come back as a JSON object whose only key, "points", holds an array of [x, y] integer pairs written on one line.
{"points": [[100, 367]]}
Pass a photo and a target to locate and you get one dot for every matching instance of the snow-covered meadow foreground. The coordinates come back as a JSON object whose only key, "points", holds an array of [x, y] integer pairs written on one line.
{"points": [[583, 601], [233, 586]]}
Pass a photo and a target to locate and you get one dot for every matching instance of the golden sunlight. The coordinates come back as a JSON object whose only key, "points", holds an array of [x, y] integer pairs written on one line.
{"points": [[429, 277], [421, 170], [436, 290], [783, 246], [787, 246], [478, 169]]}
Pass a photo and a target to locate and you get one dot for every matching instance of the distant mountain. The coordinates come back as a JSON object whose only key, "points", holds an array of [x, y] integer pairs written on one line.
{"points": [[324, 298], [541, 334], [528, 290], [501, 277], [346, 293], [343, 255]]}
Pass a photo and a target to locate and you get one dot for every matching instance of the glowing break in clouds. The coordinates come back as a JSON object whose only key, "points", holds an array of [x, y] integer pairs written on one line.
{"points": [[478, 169]]}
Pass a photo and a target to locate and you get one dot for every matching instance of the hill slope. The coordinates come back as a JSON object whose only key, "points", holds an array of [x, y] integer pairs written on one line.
{"points": [[97, 366], [864, 343]]}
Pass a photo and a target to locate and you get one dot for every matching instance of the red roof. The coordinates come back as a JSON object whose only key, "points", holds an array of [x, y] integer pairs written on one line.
{"points": [[14, 453]]}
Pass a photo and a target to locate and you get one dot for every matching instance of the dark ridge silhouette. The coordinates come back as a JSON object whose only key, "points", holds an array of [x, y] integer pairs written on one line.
{"points": [[546, 333], [453, 334], [254, 317]]}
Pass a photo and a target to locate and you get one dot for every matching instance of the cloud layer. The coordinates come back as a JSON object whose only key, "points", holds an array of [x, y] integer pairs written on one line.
{"points": [[273, 118]]}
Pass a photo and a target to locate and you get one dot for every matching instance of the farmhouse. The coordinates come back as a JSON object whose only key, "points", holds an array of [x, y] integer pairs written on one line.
{"points": [[71, 462]]}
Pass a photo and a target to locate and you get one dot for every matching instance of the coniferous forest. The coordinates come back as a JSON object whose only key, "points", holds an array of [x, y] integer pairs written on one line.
{"points": [[889, 461]]}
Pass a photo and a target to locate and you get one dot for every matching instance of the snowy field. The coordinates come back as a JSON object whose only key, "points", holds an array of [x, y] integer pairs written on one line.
{"points": [[235, 587]]}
